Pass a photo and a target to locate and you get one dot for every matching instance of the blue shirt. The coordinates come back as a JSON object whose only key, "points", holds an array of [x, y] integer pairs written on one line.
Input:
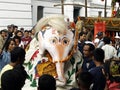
{"points": [[99, 81], [4, 59], [87, 64]]}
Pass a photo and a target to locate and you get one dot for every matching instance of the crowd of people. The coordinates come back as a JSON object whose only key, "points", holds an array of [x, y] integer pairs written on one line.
{"points": [[91, 76]]}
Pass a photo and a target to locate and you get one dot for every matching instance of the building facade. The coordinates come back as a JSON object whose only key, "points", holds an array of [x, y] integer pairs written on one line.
{"points": [[26, 13], [17, 12], [72, 8]]}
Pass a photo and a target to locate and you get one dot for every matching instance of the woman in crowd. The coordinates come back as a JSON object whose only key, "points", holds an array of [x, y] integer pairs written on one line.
{"points": [[5, 56]]}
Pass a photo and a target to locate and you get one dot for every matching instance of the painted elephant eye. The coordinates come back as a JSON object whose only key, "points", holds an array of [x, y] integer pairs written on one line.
{"points": [[54, 40], [65, 41]]}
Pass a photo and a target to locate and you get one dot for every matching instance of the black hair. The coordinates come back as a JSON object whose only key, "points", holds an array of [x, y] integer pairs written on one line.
{"points": [[106, 40], [21, 28], [17, 37], [4, 30], [15, 26], [47, 82], [18, 54], [26, 31], [100, 34], [18, 32], [99, 55], [81, 33], [14, 79], [84, 79], [91, 46], [8, 43]]}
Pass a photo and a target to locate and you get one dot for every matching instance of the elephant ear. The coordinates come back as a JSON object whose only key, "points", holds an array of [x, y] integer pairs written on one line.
{"points": [[41, 43]]}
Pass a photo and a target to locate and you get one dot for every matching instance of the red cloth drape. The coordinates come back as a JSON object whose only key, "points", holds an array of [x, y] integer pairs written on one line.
{"points": [[99, 27]]}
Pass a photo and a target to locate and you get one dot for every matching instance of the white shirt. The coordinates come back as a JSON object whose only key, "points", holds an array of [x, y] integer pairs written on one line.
{"points": [[110, 51], [96, 40]]}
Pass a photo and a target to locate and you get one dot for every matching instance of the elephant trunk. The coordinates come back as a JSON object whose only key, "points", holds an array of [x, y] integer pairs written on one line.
{"points": [[61, 80]]}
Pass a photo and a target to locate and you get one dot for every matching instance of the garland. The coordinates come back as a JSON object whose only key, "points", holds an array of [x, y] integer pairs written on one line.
{"points": [[90, 20]]}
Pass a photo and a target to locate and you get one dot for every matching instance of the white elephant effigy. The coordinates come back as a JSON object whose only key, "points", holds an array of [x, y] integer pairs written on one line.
{"points": [[53, 51]]}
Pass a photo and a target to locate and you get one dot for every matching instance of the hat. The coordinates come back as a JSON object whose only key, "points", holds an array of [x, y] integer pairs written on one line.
{"points": [[100, 33]]}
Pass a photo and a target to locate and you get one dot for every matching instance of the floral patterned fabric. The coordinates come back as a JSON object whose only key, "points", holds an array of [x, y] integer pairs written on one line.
{"points": [[71, 67]]}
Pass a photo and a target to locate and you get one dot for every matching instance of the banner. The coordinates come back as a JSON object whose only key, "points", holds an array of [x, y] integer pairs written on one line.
{"points": [[99, 27]]}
